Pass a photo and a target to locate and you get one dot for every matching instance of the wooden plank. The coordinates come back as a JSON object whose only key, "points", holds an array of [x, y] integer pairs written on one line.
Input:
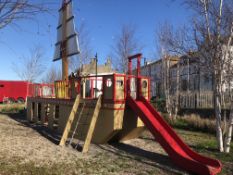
{"points": [[92, 126], [55, 101], [35, 113], [70, 121], [29, 111], [43, 113], [51, 116]]}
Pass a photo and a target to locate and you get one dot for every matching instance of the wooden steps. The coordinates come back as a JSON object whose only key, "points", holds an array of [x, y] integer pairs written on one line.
{"points": [[80, 126]]}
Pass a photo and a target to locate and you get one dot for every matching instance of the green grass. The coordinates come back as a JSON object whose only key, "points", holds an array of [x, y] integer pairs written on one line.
{"points": [[210, 147], [192, 123], [105, 163], [108, 163], [11, 108], [99, 165], [32, 168], [206, 144]]}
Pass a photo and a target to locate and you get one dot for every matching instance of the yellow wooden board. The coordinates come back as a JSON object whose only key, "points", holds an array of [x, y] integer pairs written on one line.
{"points": [[92, 126], [70, 121]]}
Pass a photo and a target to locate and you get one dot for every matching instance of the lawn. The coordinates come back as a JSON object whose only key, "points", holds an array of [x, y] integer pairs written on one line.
{"points": [[25, 150], [11, 108]]}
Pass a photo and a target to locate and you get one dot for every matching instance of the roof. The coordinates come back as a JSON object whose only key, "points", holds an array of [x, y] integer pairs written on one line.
{"points": [[91, 68], [185, 59], [172, 58]]}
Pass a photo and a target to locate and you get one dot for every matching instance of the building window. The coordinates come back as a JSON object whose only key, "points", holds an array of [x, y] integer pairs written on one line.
{"points": [[158, 89], [120, 83], [196, 83], [184, 85], [109, 82], [144, 84]]}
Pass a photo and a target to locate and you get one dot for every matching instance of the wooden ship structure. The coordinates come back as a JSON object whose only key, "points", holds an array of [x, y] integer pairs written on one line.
{"points": [[92, 107]]}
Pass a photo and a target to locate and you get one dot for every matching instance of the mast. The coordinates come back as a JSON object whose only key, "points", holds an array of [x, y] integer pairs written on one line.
{"points": [[65, 62], [67, 39]]}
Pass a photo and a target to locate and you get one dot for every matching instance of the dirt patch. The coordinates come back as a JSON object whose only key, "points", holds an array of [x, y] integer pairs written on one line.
{"points": [[18, 140], [23, 147], [26, 149]]}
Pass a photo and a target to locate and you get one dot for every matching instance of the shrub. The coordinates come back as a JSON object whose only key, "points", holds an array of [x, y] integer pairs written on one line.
{"points": [[159, 104], [192, 122], [12, 108]]}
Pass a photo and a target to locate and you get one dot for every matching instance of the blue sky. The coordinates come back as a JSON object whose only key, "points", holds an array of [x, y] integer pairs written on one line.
{"points": [[103, 19]]}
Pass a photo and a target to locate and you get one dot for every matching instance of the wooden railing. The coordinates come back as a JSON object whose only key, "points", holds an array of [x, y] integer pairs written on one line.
{"points": [[62, 89]]}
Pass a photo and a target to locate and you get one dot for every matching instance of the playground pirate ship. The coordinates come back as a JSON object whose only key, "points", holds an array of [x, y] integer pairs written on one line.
{"points": [[83, 92], [107, 107]]}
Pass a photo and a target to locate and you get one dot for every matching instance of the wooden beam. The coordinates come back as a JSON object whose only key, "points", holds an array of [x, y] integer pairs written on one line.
{"points": [[65, 63], [92, 126], [65, 67], [29, 111], [70, 121], [51, 116], [43, 113], [35, 113]]}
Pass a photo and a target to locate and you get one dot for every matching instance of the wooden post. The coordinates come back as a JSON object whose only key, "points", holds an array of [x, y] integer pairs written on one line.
{"points": [[70, 121], [29, 111], [84, 88], [65, 63], [65, 68], [35, 113], [51, 116], [92, 126], [43, 113], [96, 72]]}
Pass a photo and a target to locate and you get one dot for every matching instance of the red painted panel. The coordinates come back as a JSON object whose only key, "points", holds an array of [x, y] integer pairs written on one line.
{"points": [[22, 89], [13, 89]]}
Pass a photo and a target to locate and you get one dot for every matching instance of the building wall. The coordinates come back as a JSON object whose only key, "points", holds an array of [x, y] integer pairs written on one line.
{"points": [[91, 68], [192, 79], [154, 70], [194, 82]]}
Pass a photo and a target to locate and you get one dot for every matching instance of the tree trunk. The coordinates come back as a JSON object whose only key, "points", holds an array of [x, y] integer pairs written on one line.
{"points": [[177, 90], [218, 119], [168, 103], [227, 141]]}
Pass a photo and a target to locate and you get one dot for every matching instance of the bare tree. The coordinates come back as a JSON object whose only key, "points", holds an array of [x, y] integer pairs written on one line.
{"points": [[85, 47], [52, 75], [212, 35], [174, 41], [171, 42], [30, 68], [228, 80], [125, 45], [13, 10], [166, 83]]}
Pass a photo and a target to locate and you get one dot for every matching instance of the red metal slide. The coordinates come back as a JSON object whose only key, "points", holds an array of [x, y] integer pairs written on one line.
{"points": [[177, 150]]}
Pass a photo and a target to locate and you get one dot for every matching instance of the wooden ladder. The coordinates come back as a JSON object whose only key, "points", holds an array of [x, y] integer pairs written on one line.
{"points": [[92, 126], [70, 121]]}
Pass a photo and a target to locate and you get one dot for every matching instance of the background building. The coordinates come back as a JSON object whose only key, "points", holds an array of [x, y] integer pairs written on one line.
{"points": [[186, 78]]}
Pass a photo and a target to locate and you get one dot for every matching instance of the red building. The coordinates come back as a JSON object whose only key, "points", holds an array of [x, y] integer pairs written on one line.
{"points": [[17, 91], [12, 91]]}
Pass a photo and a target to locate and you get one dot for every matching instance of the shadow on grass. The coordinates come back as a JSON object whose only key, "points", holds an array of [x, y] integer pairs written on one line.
{"points": [[120, 149], [143, 156], [43, 130]]}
